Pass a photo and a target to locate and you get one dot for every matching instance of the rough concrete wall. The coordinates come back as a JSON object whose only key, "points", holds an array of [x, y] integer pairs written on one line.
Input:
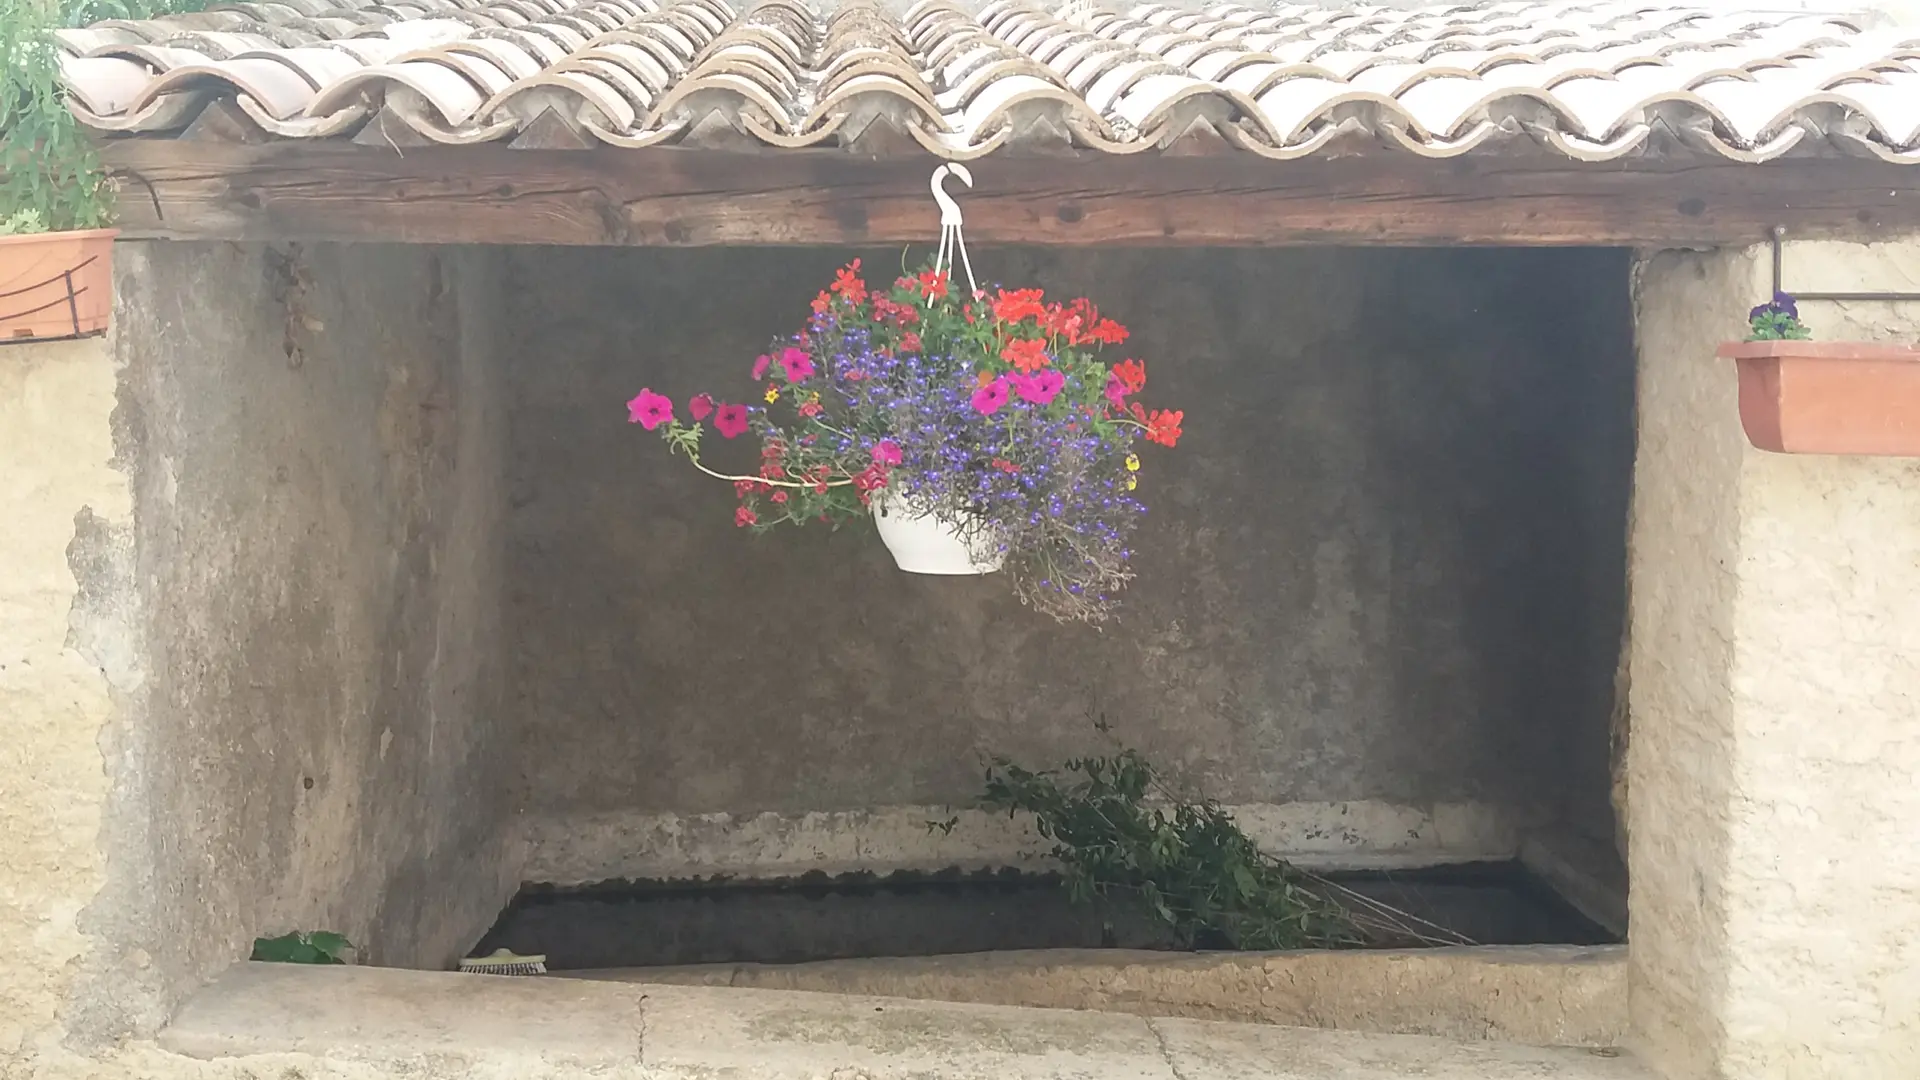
{"points": [[1776, 885], [1684, 546], [304, 615], [58, 448], [1385, 562]]}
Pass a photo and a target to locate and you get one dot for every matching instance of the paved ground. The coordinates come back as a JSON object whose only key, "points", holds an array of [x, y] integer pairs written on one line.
{"points": [[433, 1025]]}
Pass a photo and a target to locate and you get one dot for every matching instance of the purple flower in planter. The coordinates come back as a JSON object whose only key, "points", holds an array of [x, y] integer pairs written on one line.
{"points": [[1781, 304]]}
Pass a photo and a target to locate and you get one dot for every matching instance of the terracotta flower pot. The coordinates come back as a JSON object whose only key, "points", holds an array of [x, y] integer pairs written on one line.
{"points": [[55, 285], [1829, 397]]}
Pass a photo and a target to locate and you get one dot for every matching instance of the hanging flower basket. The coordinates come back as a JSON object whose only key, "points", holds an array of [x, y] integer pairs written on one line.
{"points": [[1799, 396], [979, 428], [55, 284]]}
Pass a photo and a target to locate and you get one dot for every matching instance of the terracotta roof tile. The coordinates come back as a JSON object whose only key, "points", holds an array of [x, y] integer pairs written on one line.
{"points": [[1594, 80]]}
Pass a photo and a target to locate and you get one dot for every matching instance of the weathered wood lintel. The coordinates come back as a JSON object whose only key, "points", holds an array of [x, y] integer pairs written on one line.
{"points": [[291, 190]]}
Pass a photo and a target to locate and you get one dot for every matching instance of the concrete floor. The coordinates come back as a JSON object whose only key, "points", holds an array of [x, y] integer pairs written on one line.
{"points": [[425, 1024]]}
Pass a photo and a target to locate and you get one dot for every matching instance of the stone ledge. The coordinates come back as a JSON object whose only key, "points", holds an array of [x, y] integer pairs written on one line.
{"points": [[432, 1025], [582, 849], [1552, 995]]}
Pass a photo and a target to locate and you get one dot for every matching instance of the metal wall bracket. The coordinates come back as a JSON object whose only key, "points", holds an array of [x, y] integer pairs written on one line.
{"points": [[1779, 233]]}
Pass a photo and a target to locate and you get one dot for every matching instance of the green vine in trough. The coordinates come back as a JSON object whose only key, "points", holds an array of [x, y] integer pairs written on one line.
{"points": [[1183, 860]]}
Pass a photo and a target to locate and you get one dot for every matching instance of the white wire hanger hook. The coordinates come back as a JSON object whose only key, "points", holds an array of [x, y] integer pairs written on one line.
{"points": [[950, 239]]}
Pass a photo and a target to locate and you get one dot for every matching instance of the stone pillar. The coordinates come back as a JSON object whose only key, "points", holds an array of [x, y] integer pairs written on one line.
{"points": [[1775, 695], [56, 479]]}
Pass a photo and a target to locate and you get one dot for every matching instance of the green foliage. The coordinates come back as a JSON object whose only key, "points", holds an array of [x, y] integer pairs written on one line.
{"points": [[50, 175], [1185, 861], [302, 947], [1776, 326], [22, 223]]}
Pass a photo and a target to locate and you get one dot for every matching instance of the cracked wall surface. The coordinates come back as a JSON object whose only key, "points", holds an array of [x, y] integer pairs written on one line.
{"points": [[1776, 683], [58, 480], [256, 639]]}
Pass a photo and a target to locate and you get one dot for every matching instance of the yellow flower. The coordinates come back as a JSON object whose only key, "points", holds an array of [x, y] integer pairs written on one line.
{"points": [[813, 398], [773, 394], [1133, 462], [1132, 482]]}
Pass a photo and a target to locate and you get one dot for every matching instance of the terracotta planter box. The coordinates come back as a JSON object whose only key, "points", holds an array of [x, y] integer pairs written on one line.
{"points": [[1829, 397], [55, 285]]}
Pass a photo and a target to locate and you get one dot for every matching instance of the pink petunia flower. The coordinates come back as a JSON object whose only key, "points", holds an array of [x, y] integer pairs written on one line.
{"points": [[988, 399], [1116, 391], [760, 365], [700, 406], [649, 409], [797, 364], [1041, 387], [730, 420], [886, 452]]}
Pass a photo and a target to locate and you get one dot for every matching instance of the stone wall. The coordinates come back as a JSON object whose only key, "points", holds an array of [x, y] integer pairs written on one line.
{"points": [[285, 600], [57, 447], [1380, 586], [1775, 881]]}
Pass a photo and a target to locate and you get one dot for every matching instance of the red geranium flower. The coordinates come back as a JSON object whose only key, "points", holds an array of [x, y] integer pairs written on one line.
{"points": [[1017, 305], [744, 517], [1063, 322], [847, 283], [1164, 426], [933, 284], [909, 342], [1132, 375], [1026, 355]]}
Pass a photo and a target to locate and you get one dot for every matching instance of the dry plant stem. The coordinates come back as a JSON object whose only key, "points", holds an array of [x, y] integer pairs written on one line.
{"points": [[1391, 918], [767, 481]]}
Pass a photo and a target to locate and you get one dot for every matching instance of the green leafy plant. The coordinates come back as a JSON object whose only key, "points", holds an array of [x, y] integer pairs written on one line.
{"points": [[303, 947], [1185, 860], [1777, 320], [21, 223], [50, 175]]}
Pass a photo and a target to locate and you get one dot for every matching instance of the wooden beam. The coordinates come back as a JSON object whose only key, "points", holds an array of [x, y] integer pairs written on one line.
{"points": [[335, 190]]}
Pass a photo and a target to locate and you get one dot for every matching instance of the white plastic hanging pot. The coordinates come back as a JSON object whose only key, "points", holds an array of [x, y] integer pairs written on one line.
{"points": [[923, 544]]}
